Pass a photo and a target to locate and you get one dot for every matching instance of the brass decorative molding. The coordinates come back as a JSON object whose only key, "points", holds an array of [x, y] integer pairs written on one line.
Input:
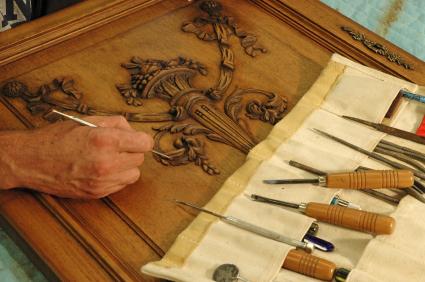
{"points": [[193, 112], [377, 48]]}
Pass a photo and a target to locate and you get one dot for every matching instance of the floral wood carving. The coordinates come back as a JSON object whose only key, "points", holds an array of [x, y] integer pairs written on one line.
{"points": [[194, 115], [377, 48], [172, 81]]}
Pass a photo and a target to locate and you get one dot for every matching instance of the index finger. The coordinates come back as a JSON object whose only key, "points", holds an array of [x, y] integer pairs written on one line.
{"points": [[135, 142]]}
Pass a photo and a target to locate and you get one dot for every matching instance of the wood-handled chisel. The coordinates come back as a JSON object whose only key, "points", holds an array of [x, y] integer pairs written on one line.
{"points": [[346, 217], [372, 179]]}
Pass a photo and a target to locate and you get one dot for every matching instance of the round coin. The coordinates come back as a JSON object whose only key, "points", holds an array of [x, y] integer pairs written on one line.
{"points": [[226, 273]]}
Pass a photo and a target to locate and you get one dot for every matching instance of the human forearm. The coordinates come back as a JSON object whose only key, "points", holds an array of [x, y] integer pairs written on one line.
{"points": [[70, 160], [10, 142]]}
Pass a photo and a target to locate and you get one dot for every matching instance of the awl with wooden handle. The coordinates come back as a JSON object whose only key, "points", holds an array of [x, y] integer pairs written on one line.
{"points": [[372, 179], [346, 217], [239, 223]]}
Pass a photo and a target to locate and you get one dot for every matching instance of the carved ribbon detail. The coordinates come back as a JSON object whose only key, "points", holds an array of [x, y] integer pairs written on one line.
{"points": [[377, 48], [194, 114]]}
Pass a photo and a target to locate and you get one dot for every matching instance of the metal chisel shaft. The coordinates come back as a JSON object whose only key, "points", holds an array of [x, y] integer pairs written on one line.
{"points": [[308, 247], [390, 130], [376, 156]]}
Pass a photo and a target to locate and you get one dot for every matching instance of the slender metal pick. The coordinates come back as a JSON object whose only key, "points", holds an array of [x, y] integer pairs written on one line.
{"points": [[199, 208], [83, 122]]}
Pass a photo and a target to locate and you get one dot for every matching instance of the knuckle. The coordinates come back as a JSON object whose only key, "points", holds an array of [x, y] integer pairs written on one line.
{"points": [[101, 168], [97, 139], [121, 120], [117, 122]]}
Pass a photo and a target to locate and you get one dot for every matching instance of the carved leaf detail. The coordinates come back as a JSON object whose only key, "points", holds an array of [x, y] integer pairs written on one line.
{"points": [[216, 138], [187, 149], [67, 86], [377, 47], [271, 110]]}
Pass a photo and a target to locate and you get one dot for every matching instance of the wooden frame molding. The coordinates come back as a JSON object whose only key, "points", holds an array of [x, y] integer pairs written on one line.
{"points": [[86, 16], [310, 18]]}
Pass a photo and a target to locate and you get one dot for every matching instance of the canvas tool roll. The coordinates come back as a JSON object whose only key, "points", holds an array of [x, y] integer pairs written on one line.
{"points": [[343, 88]]}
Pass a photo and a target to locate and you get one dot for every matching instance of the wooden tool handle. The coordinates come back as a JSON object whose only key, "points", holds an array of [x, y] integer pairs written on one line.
{"points": [[309, 265], [371, 179], [351, 218]]}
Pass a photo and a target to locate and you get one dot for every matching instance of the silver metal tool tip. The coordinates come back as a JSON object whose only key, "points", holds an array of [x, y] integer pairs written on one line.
{"points": [[199, 208], [162, 154], [270, 181]]}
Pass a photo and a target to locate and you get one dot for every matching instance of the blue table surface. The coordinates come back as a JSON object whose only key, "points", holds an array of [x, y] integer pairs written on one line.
{"points": [[401, 22]]}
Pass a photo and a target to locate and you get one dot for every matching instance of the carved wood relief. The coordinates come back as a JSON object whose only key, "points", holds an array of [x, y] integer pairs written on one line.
{"points": [[193, 112], [378, 48]]}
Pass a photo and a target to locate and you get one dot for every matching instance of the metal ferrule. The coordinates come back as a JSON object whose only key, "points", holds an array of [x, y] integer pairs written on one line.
{"points": [[302, 207], [322, 180]]}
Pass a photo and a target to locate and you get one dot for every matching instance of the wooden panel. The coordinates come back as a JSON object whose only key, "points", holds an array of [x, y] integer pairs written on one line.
{"points": [[114, 236]]}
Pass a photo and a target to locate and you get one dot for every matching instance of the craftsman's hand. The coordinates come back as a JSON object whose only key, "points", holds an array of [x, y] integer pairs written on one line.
{"points": [[74, 161]]}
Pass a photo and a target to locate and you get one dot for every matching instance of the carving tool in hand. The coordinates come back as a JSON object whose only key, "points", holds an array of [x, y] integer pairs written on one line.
{"points": [[254, 228], [390, 130], [374, 179], [83, 122], [373, 155], [340, 216]]}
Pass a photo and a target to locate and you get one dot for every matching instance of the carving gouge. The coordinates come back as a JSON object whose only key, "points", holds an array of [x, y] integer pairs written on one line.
{"points": [[373, 179], [390, 130], [308, 247], [340, 216]]}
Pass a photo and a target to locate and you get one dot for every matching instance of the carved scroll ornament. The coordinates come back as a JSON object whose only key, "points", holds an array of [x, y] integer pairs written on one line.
{"points": [[193, 112], [377, 48]]}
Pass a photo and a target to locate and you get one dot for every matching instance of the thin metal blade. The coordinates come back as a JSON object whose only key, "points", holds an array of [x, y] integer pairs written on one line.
{"points": [[365, 122], [390, 130], [262, 199], [290, 181], [376, 156], [199, 208]]}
